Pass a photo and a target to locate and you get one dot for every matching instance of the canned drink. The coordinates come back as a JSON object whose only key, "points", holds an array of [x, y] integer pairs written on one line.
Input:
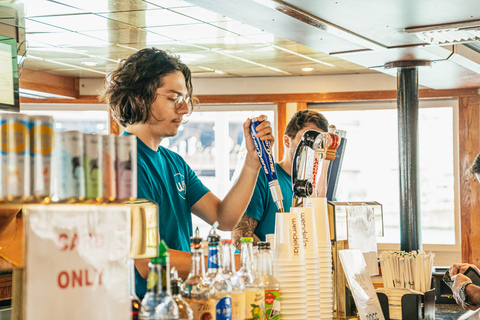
{"points": [[93, 165], [41, 151], [70, 176], [15, 155], [109, 172], [126, 167]]}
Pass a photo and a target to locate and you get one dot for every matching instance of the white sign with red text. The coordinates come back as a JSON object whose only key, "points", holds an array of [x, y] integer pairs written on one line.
{"points": [[76, 262]]}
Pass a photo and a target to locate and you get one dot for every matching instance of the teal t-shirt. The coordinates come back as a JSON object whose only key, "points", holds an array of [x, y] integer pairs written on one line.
{"points": [[166, 179], [262, 207]]}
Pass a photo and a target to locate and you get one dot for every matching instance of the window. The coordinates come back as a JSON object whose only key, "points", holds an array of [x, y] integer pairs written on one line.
{"points": [[370, 166]]}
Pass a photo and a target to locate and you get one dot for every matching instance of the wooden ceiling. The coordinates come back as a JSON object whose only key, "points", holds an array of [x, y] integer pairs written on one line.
{"points": [[249, 38]]}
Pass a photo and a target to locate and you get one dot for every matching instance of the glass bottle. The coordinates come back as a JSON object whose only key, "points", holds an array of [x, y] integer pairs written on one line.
{"points": [[158, 302], [254, 294], [184, 310], [238, 287], [221, 287], [167, 309], [135, 301], [270, 283], [196, 289]]}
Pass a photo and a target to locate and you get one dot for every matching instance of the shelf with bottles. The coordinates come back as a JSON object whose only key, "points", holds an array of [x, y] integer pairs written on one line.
{"points": [[68, 208]]}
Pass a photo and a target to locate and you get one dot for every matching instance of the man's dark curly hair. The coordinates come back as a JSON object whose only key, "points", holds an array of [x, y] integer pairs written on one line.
{"points": [[302, 118], [475, 168], [131, 88]]}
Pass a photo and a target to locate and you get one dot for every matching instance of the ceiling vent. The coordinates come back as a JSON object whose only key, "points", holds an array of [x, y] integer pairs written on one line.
{"points": [[450, 33]]}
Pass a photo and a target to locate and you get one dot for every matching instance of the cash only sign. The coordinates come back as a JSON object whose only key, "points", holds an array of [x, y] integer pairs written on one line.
{"points": [[76, 262]]}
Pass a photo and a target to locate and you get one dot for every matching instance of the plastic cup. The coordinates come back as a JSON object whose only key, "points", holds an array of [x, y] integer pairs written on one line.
{"points": [[271, 239], [288, 263], [319, 206], [307, 223], [288, 237]]}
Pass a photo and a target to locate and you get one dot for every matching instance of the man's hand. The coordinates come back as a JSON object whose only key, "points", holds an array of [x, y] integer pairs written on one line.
{"points": [[459, 279], [264, 132], [244, 228], [457, 268]]}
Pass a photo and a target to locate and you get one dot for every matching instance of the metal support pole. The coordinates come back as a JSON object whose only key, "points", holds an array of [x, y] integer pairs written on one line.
{"points": [[407, 105]]}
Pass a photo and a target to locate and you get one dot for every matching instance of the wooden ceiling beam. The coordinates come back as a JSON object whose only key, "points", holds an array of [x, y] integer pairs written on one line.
{"points": [[294, 97], [331, 96], [49, 83]]}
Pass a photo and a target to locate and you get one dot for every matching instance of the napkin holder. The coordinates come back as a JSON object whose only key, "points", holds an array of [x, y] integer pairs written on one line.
{"points": [[414, 306], [343, 304]]}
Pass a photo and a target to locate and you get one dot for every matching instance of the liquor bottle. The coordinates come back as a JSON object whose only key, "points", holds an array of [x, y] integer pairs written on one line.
{"points": [[167, 308], [270, 283], [221, 287], [184, 310], [254, 294], [196, 289], [238, 287], [158, 302], [135, 301]]}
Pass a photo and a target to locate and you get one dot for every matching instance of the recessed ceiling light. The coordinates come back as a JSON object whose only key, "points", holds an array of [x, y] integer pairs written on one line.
{"points": [[307, 69], [89, 63]]}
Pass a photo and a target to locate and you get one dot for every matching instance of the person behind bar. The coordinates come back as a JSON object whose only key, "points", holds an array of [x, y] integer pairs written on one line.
{"points": [[259, 218], [464, 291], [149, 94]]}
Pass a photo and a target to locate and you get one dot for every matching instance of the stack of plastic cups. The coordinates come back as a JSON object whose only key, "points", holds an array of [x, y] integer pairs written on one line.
{"points": [[319, 206], [289, 265], [312, 272]]}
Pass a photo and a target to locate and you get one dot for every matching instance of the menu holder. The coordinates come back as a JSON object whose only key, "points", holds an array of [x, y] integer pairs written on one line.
{"points": [[414, 306]]}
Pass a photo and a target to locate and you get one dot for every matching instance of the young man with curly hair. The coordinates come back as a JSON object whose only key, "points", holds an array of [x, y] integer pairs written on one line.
{"points": [[149, 94]]}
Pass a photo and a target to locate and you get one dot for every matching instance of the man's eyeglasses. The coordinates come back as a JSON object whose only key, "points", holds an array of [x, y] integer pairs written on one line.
{"points": [[178, 101]]}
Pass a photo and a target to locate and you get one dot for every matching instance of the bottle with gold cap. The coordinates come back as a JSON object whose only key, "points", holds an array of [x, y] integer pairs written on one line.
{"points": [[184, 310], [158, 302], [238, 286], [254, 294], [196, 290]]}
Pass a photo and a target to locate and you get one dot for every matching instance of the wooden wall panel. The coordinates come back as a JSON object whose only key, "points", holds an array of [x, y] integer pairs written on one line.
{"points": [[301, 106], [114, 129], [49, 83], [469, 147]]}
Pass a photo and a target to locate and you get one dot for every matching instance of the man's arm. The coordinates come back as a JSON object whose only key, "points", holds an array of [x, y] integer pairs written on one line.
{"points": [[229, 210], [245, 228], [472, 291]]}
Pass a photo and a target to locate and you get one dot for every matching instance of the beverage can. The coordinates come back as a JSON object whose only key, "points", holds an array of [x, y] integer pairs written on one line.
{"points": [[41, 155], [109, 172], [15, 155], [70, 176], [93, 165], [126, 167]]}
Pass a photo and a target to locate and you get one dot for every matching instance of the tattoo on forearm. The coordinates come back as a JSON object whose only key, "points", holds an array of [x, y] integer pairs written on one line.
{"points": [[244, 228]]}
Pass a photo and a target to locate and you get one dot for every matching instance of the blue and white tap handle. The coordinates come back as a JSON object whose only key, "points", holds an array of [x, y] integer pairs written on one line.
{"points": [[264, 152]]}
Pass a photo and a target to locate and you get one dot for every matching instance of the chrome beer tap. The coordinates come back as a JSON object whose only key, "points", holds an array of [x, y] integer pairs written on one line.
{"points": [[303, 165]]}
